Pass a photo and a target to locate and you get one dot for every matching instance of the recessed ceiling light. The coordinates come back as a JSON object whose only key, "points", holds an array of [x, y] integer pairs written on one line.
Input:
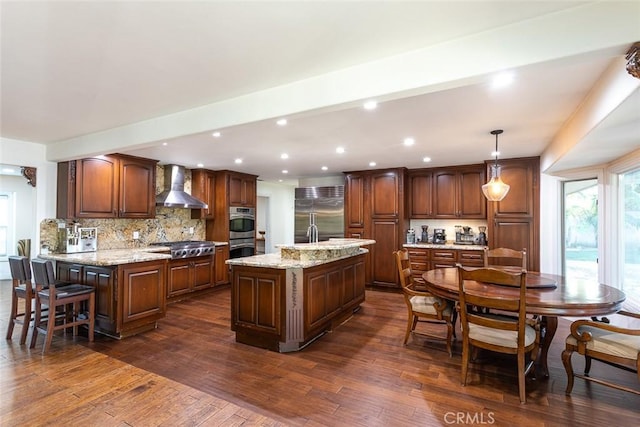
{"points": [[284, 156], [426, 159], [324, 168], [340, 150], [285, 171], [372, 164], [279, 180], [409, 141], [216, 134], [238, 161], [282, 122], [495, 153], [370, 105], [502, 79], [164, 144], [200, 165]]}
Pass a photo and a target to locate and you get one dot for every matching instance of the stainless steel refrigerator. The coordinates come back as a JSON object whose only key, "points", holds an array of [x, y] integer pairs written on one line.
{"points": [[328, 205]]}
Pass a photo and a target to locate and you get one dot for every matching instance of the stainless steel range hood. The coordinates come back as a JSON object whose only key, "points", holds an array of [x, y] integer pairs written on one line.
{"points": [[174, 195]]}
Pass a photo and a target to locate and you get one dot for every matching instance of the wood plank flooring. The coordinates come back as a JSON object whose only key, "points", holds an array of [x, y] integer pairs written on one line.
{"points": [[191, 372]]}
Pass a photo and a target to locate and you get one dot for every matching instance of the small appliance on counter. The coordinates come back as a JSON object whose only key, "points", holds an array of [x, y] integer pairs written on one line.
{"points": [[74, 239], [464, 235], [411, 236], [482, 236], [439, 236], [424, 238]]}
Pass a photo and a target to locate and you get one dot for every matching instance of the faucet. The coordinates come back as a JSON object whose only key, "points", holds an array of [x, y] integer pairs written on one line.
{"points": [[312, 231]]}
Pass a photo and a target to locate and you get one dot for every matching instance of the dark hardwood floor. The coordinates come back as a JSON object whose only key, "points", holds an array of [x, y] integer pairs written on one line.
{"points": [[190, 371]]}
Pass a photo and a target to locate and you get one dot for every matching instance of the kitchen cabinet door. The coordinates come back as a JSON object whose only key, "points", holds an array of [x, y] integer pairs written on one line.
{"points": [[386, 196], [143, 293], [385, 232], [103, 279], [203, 187], [221, 269], [137, 188], [355, 198], [457, 193], [96, 189], [179, 280], [242, 190], [420, 202]]}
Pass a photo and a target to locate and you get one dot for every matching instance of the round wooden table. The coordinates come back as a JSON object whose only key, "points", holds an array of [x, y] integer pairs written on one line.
{"points": [[548, 295]]}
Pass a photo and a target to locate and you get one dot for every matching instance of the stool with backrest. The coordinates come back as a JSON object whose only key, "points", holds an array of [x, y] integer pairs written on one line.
{"points": [[504, 334], [22, 288], [610, 344], [421, 305], [53, 295]]}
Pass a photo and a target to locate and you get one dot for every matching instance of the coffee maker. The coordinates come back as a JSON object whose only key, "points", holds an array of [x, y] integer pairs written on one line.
{"points": [[439, 236], [482, 236]]}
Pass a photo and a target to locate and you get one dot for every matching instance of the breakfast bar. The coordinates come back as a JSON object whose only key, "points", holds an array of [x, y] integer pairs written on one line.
{"points": [[284, 301]]}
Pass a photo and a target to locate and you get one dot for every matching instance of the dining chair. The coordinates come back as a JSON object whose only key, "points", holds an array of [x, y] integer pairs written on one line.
{"points": [[505, 256], [610, 344], [423, 306], [77, 303], [495, 332], [22, 289]]}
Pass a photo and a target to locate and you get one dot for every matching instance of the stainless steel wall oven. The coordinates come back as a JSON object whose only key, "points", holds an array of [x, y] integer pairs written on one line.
{"points": [[242, 232]]}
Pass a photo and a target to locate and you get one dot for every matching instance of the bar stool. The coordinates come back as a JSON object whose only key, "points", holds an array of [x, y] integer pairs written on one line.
{"points": [[24, 289], [55, 295]]}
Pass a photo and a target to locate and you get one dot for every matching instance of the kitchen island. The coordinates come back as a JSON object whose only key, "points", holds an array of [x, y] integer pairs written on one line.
{"points": [[286, 300], [130, 286]]}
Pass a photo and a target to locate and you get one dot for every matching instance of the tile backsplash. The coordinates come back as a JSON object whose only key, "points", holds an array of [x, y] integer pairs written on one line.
{"points": [[170, 224]]}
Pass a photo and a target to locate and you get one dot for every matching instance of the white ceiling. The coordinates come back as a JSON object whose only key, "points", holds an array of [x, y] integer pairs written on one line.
{"points": [[95, 77]]}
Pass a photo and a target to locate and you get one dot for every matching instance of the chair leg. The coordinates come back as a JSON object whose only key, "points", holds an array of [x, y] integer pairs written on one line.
{"points": [[26, 323], [51, 323], [38, 319], [465, 362], [521, 379], [566, 361], [587, 365], [449, 335], [92, 317], [411, 322], [13, 314]]}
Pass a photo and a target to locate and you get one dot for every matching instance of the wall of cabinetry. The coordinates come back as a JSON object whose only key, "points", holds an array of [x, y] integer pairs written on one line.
{"points": [[375, 209], [448, 193], [112, 186], [514, 222]]}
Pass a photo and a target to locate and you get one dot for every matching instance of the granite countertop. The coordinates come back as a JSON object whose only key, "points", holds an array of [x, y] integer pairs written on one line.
{"points": [[275, 260], [331, 249], [448, 245], [334, 243], [112, 256]]}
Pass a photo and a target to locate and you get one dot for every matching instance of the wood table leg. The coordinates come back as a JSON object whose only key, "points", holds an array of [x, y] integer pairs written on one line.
{"points": [[549, 326]]}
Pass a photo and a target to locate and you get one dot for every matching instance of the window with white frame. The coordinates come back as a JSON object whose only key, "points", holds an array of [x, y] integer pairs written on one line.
{"points": [[7, 239], [629, 231]]}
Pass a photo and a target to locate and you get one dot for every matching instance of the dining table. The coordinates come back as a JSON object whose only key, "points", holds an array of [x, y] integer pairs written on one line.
{"points": [[547, 295]]}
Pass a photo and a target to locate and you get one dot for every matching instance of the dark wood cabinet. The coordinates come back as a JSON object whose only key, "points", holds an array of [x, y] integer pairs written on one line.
{"points": [[356, 186], [113, 186], [514, 222], [375, 204], [203, 187], [421, 194], [232, 189], [188, 275], [130, 298], [425, 259], [242, 189], [457, 193], [221, 269], [284, 310]]}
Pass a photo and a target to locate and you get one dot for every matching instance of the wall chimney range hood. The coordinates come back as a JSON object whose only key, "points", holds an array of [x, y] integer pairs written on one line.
{"points": [[174, 195]]}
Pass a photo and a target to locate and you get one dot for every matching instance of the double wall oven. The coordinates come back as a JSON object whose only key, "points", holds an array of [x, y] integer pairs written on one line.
{"points": [[242, 232]]}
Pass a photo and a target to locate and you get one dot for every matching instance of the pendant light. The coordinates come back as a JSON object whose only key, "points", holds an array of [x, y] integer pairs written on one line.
{"points": [[495, 190]]}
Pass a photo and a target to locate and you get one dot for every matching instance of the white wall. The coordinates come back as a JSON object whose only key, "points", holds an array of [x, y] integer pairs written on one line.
{"points": [[280, 218]]}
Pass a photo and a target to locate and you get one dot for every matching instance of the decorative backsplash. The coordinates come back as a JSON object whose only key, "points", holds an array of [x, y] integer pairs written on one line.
{"points": [[170, 224]]}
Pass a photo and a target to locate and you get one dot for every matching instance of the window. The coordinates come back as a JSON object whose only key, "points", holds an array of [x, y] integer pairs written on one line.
{"points": [[629, 207], [580, 227], [7, 239]]}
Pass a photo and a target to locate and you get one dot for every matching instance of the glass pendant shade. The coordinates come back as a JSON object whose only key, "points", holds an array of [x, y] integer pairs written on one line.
{"points": [[495, 190]]}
